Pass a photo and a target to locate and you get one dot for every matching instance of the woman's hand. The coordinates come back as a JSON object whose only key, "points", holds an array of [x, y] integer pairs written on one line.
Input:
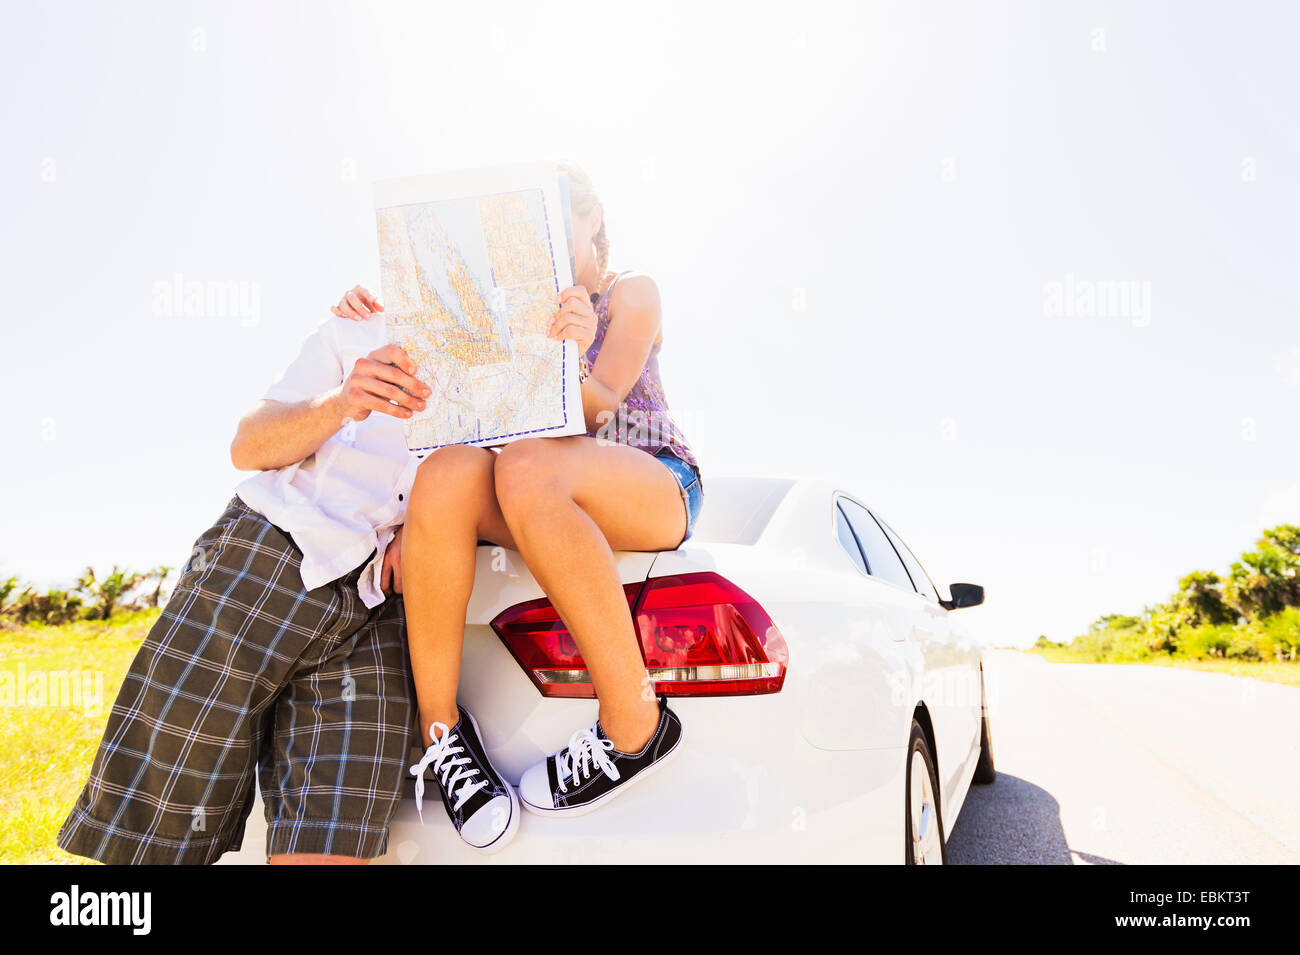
{"points": [[358, 304], [576, 319]]}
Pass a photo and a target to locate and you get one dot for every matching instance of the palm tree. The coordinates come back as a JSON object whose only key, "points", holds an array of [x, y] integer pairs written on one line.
{"points": [[1267, 579], [59, 606], [24, 605], [105, 595], [10, 592], [52, 607], [159, 574]]}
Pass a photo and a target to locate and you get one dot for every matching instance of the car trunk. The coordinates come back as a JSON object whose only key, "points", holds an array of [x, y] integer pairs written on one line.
{"points": [[518, 724]]}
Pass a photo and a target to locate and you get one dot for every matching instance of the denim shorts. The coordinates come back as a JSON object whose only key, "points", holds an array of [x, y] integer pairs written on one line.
{"points": [[688, 479]]}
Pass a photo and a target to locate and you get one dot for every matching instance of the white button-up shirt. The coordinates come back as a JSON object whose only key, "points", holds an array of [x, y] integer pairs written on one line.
{"points": [[347, 500]]}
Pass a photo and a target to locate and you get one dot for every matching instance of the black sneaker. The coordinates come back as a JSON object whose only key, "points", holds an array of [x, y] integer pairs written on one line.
{"points": [[480, 803], [590, 771]]}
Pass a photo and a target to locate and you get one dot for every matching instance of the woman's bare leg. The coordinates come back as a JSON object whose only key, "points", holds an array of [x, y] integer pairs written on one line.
{"points": [[569, 503], [453, 506]]}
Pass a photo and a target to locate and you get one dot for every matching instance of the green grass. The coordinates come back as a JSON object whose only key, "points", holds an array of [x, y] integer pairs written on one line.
{"points": [[46, 746], [1286, 673]]}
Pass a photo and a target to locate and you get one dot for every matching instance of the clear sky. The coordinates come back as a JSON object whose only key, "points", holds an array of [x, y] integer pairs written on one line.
{"points": [[885, 235]]}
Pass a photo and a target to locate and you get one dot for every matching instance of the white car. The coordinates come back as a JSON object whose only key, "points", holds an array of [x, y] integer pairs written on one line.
{"points": [[831, 710]]}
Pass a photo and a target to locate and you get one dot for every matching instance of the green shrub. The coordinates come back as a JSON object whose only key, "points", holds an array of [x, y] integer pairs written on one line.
{"points": [[1210, 640], [1252, 615], [1116, 639], [1279, 637], [1244, 644]]}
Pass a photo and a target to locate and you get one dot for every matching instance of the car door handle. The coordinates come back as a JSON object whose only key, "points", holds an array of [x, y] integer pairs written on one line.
{"points": [[922, 633]]}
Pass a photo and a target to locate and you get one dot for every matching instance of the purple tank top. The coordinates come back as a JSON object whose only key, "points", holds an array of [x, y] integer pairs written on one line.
{"points": [[642, 420]]}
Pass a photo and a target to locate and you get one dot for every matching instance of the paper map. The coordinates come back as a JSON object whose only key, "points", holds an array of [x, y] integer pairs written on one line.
{"points": [[471, 266]]}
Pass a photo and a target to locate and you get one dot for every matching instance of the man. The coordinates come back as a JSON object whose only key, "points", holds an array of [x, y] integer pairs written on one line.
{"points": [[279, 652]]}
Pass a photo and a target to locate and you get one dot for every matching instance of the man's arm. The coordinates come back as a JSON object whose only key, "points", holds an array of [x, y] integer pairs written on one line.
{"points": [[275, 434]]}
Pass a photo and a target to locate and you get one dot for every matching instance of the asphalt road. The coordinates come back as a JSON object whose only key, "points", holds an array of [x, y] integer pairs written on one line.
{"points": [[1107, 764]]}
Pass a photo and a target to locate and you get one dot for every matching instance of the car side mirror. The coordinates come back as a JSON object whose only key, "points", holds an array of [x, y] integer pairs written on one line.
{"points": [[964, 595]]}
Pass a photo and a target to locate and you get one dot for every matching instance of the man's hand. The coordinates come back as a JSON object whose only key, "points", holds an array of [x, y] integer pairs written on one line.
{"points": [[383, 377], [576, 319], [390, 574]]}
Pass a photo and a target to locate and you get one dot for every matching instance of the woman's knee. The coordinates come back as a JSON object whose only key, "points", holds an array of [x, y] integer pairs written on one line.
{"points": [[451, 477], [525, 470]]}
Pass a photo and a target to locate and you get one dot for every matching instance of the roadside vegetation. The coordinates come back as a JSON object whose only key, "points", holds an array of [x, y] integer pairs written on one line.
{"points": [[91, 598], [1247, 622], [63, 654]]}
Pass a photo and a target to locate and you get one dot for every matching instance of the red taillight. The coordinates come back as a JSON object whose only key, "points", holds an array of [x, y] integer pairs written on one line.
{"points": [[701, 635]]}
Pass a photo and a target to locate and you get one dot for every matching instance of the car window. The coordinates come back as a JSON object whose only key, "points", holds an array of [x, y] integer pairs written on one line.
{"points": [[847, 540], [882, 561], [919, 577]]}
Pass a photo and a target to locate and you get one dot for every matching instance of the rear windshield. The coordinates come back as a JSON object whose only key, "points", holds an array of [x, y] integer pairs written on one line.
{"points": [[737, 510]]}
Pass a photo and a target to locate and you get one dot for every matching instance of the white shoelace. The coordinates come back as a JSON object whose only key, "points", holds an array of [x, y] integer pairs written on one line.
{"points": [[585, 750], [442, 756]]}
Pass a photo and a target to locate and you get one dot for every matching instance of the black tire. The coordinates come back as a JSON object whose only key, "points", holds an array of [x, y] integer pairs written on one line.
{"points": [[985, 771], [919, 745]]}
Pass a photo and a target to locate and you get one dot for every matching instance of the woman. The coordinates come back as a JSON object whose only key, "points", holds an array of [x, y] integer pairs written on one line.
{"points": [[566, 504]]}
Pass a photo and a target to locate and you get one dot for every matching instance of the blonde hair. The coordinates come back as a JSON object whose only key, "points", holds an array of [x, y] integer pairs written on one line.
{"points": [[582, 194]]}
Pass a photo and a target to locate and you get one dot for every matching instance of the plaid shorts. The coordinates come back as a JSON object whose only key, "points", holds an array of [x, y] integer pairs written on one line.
{"points": [[246, 672]]}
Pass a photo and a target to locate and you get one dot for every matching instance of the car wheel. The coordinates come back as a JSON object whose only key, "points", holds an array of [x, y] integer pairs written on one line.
{"points": [[923, 818], [985, 771]]}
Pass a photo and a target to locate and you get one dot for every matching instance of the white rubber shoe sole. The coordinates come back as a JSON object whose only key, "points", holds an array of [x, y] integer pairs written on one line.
{"points": [[503, 840], [574, 811], [512, 827]]}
